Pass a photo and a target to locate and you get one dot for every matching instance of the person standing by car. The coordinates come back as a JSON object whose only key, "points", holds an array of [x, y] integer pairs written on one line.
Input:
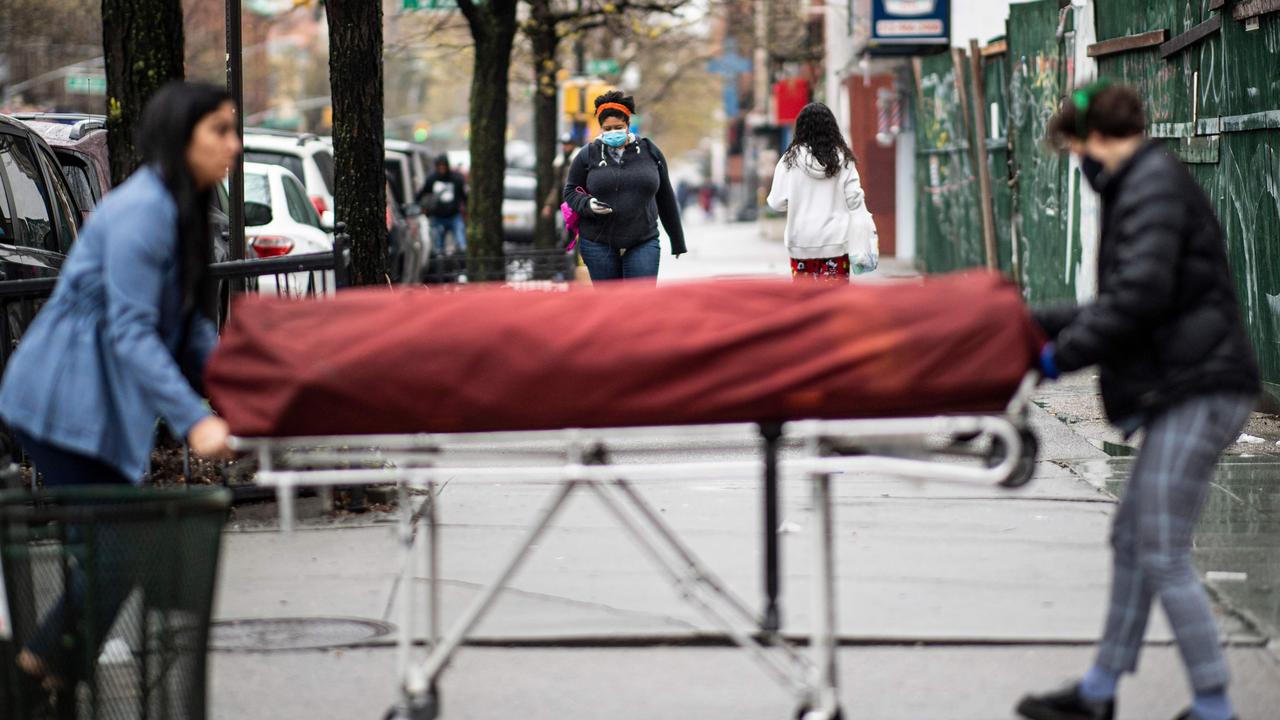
{"points": [[627, 191], [551, 205], [1177, 364], [444, 196], [125, 336], [816, 184]]}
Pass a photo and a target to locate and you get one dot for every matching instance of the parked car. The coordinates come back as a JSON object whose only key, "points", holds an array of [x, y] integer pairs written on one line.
{"points": [[39, 216], [80, 144], [410, 166], [38, 223], [405, 175], [519, 207], [280, 220], [308, 157]]}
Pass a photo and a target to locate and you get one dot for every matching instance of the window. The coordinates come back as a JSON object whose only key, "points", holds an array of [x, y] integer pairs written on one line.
{"points": [[292, 163], [221, 199], [6, 218], [67, 210], [300, 209], [32, 221], [396, 175], [77, 176], [257, 188], [516, 191], [324, 163]]}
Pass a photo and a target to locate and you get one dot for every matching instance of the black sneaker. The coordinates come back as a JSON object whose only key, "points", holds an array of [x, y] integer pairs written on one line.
{"points": [[1188, 715], [1065, 704]]}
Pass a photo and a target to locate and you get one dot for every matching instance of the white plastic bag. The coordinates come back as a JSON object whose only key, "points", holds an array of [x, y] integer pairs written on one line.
{"points": [[864, 242]]}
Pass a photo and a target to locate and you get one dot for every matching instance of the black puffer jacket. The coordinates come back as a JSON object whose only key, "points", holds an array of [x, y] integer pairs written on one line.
{"points": [[638, 189], [1166, 323]]}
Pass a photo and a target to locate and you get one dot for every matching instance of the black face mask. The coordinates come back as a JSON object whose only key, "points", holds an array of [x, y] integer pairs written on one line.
{"points": [[1094, 173]]}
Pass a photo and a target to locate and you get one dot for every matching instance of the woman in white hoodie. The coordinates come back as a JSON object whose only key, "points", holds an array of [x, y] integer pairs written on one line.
{"points": [[816, 183]]}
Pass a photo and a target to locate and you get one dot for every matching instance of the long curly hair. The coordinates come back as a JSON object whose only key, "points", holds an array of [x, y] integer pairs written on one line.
{"points": [[817, 130]]}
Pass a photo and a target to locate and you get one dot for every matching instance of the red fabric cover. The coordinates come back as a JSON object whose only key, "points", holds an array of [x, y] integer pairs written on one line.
{"points": [[378, 361]]}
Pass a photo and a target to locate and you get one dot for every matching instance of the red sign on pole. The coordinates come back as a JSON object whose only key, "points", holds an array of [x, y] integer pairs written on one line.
{"points": [[790, 95]]}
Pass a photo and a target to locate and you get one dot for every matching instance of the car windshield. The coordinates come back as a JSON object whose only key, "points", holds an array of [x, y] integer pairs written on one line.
{"points": [[292, 163]]}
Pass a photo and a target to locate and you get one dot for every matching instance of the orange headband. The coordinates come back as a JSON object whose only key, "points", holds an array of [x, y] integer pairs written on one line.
{"points": [[613, 106]]}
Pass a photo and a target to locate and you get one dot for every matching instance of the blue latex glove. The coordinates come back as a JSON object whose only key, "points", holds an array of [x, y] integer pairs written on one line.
{"points": [[1048, 364]]}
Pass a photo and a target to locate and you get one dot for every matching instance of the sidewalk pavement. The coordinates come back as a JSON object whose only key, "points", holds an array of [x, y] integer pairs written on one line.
{"points": [[953, 599]]}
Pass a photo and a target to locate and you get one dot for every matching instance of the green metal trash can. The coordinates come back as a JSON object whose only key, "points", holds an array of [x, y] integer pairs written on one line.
{"points": [[111, 589]]}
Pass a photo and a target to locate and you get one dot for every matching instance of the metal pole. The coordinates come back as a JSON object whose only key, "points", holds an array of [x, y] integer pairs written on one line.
{"points": [[235, 84], [772, 620], [580, 46]]}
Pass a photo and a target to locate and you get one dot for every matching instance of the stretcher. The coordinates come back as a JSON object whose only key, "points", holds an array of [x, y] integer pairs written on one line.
{"points": [[967, 435]]}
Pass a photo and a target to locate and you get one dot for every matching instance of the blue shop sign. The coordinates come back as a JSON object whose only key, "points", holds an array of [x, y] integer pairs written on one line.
{"points": [[909, 27]]}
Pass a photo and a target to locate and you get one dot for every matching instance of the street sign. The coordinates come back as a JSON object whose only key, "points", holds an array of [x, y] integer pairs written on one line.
{"points": [[86, 84], [909, 27], [729, 66], [608, 66], [441, 5]]}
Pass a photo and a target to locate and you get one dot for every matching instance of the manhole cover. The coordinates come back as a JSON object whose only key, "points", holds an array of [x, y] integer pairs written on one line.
{"points": [[294, 633]]}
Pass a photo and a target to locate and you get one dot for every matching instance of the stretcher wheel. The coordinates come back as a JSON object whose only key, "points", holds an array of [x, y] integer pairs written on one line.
{"points": [[1026, 466], [804, 712], [426, 707]]}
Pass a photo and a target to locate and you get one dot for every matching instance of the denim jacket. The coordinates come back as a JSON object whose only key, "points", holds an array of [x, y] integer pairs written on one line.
{"points": [[100, 362]]}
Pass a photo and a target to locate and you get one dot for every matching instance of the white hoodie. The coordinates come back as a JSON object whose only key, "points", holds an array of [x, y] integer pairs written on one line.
{"points": [[819, 208]]}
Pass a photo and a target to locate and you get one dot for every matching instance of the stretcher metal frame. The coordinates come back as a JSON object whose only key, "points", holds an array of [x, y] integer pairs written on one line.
{"points": [[989, 448]]}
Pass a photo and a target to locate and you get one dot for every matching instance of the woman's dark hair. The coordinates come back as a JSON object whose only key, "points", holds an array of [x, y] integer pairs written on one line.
{"points": [[615, 96], [817, 130], [168, 123], [1114, 111]]}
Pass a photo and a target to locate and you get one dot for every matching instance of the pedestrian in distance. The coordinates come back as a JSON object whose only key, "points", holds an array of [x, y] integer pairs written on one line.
{"points": [[619, 186], [1176, 363], [126, 334], [816, 184], [444, 196], [551, 205]]}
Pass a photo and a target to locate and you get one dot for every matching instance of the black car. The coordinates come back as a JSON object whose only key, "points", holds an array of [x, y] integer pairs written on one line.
{"points": [[39, 216], [38, 222]]}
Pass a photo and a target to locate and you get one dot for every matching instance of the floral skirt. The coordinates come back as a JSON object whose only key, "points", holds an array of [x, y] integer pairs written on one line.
{"points": [[836, 268]]}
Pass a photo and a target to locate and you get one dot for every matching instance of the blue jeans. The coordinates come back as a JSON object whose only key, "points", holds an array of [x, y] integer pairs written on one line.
{"points": [[62, 468], [455, 225], [606, 263]]}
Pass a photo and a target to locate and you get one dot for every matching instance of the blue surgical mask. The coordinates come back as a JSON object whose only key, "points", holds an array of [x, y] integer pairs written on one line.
{"points": [[615, 138]]}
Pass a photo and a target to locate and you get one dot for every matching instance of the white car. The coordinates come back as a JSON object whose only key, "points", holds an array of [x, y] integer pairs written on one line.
{"points": [[293, 228], [308, 157], [519, 207]]}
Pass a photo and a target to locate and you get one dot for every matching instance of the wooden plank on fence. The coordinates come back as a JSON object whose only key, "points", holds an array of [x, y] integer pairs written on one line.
{"points": [[1217, 4], [1253, 8], [999, 47], [979, 130], [1127, 43], [1192, 36]]}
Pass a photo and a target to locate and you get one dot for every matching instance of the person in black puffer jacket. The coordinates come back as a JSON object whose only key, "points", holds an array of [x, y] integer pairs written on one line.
{"points": [[1176, 362], [627, 190]]}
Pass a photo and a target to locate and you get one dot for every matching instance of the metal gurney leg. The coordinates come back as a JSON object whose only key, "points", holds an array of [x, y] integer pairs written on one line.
{"points": [[771, 620]]}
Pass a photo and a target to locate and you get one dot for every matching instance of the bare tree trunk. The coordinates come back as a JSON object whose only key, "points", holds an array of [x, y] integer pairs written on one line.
{"points": [[355, 71], [493, 29], [142, 42], [544, 36]]}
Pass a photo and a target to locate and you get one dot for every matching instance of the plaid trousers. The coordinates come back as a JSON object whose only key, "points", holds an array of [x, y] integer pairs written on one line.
{"points": [[1152, 536]]}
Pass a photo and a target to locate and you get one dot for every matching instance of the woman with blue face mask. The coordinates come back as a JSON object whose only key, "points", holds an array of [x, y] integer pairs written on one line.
{"points": [[619, 186]]}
